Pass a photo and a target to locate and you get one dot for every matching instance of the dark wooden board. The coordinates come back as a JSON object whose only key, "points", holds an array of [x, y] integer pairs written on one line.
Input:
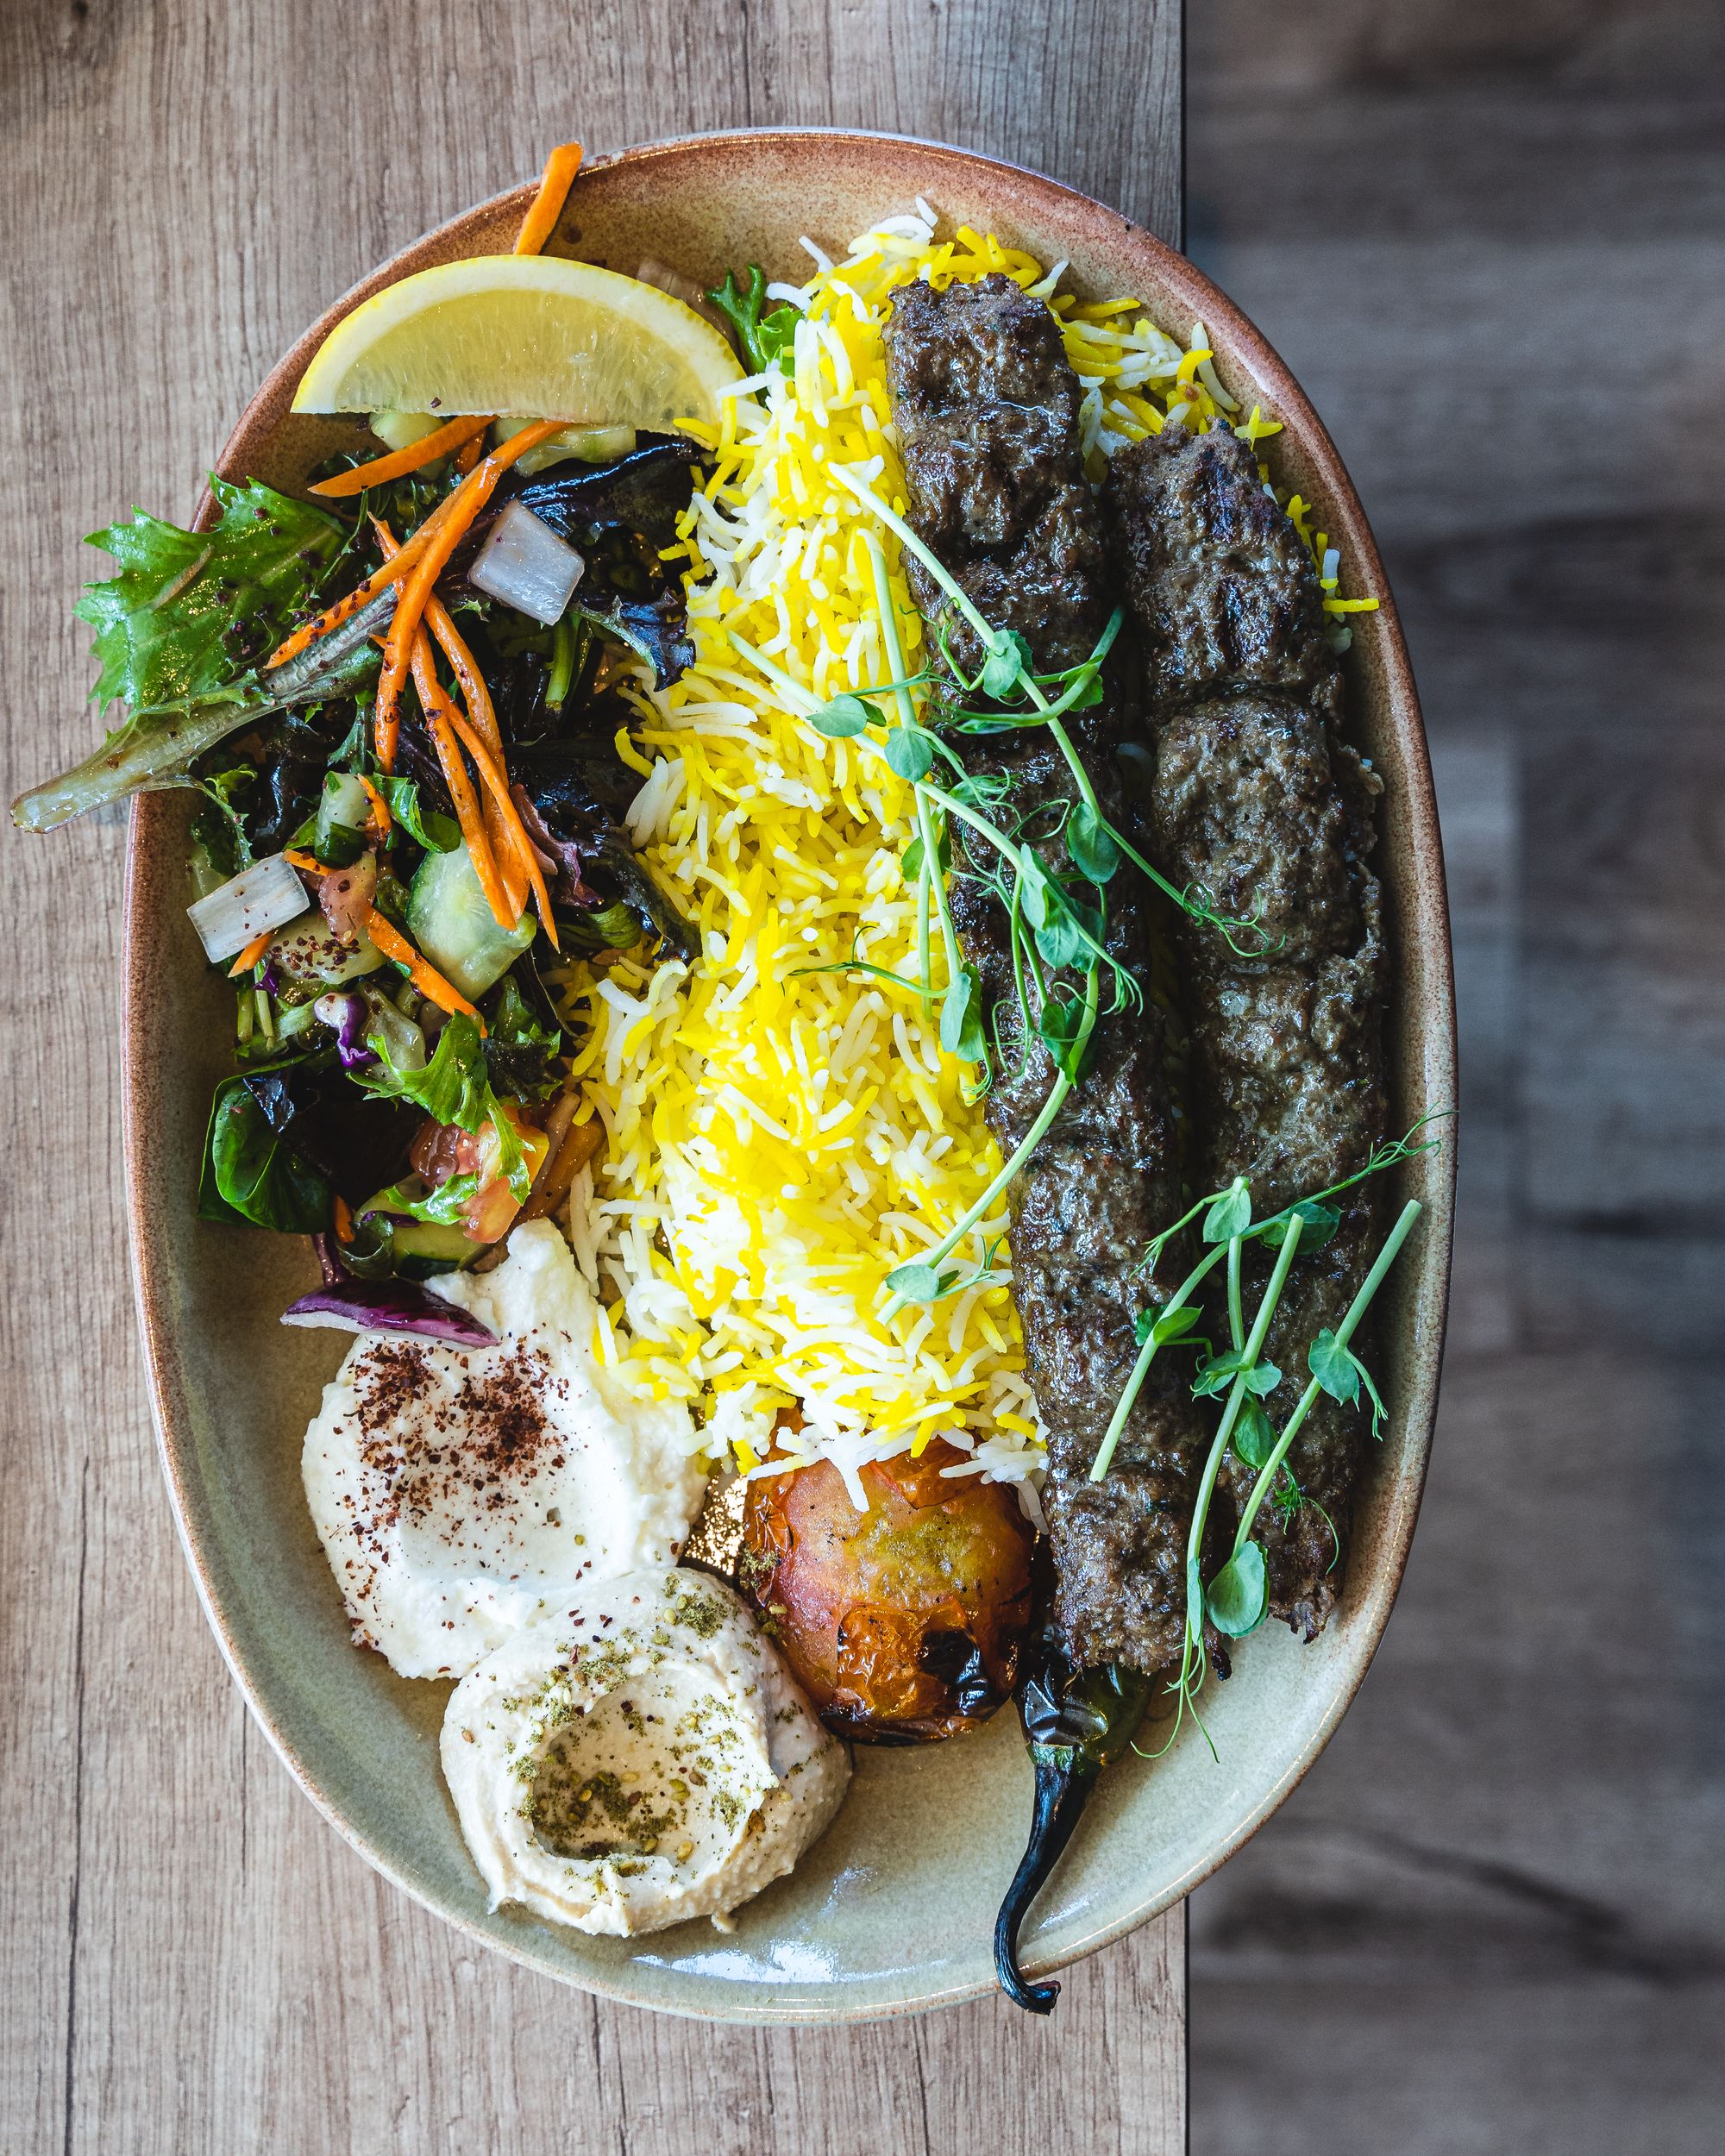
{"points": [[1489, 240]]}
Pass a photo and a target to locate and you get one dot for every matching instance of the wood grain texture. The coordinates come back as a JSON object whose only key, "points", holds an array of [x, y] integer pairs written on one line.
{"points": [[1492, 1920], [195, 1961]]}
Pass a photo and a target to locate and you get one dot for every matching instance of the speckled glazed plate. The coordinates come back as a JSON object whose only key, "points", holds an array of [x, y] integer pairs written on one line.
{"points": [[892, 1909]]}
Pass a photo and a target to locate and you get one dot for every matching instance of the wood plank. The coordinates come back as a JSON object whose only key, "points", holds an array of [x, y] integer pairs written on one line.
{"points": [[1500, 1881], [199, 1964], [1490, 1919]]}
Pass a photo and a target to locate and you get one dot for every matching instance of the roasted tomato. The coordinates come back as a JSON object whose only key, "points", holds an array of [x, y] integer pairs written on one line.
{"points": [[903, 1622]]}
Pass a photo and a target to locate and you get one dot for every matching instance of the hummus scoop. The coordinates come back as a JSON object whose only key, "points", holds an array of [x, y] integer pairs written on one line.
{"points": [[636, 1757]]}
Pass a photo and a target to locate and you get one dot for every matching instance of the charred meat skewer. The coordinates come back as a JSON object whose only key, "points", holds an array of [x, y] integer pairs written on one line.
{"points": [[1259, 800]]}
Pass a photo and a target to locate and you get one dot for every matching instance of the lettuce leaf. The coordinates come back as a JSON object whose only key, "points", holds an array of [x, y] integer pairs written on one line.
{"points": [[190, 612], [180, 633], [454, 1087], [445, 1207], [249, 1173]]}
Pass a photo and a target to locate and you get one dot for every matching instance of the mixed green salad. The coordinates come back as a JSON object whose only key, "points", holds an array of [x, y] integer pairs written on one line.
{"points": [[398, 826]]}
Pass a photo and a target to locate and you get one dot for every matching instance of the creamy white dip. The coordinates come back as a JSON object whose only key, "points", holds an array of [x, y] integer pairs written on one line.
{"points": [[460, 1492], [640, 1757]]}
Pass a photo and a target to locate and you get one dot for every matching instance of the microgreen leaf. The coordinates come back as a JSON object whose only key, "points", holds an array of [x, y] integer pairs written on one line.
{"points": [[961, 1018], [1230, 1214], [1006, 666], [1070, 931], [1168, 1325], [1218, 1372], [1318, 1223], [992, 723], [844, 717], [1061, 1024], [1090, 844], [910, 859], [910, 752], [1336, 1368], [1254, 1439], [1341, 1374], [917, 1283], [1035, 893], [1215, 1374], [1236, 1598]]}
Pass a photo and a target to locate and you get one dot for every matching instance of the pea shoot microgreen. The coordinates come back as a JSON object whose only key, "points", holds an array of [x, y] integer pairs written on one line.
{"points": [[1051, 926], [1007, 677]]}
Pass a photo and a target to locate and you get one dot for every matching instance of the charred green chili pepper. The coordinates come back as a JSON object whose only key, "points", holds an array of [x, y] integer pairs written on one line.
{"points": [[1075, 1723]]}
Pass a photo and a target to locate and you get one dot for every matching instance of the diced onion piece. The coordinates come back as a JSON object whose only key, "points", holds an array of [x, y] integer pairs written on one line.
{"points": [[267, 895], [524, 564]]}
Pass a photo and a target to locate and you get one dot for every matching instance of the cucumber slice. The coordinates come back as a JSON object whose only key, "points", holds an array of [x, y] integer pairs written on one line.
{"points": [[449, 918], [429, 1239], [339, 836], [400, 429]]}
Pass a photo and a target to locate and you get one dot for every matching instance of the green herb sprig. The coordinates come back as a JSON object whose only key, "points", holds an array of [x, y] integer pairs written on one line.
{"points": [[1236, 1598], [1094, 846], [1050, 925], [1228, 1225], [766, 338]]}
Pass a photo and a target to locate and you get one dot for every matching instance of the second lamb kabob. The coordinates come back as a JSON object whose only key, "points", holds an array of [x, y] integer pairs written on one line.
{"points": [[1260, 803]]}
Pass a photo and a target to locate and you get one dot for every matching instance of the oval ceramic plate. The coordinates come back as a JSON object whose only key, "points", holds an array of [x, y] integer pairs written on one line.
{"points": [[892, 1909]]}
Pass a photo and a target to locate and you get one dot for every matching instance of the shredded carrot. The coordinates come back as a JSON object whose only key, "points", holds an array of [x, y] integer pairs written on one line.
{"points": [[498, 787], [480, 708], [440, 712], [249, 956], [457, 513], [381, 819], [424, 976], [541, 221], [507, 842], [497, 852], [308, 863], [470, 455], [344, 1220], [345, 609], [483, 740], [398, 463]]}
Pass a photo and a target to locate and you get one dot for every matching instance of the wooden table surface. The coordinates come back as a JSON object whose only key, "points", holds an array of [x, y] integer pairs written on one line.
{"points": [[1491, 241], [195, 1961]]}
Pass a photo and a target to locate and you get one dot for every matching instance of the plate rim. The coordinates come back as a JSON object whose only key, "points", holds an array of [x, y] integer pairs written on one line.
{"points": [[1426, 927]]}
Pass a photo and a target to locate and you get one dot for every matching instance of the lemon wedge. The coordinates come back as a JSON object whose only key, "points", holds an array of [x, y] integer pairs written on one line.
{"points": [[525, 335]]}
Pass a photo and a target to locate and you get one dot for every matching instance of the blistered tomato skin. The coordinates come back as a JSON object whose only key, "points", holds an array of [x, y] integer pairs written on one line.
{"points": [[902, 1623]]}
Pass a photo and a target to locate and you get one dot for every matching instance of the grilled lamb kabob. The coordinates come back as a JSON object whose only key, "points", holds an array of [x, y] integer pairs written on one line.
{"points": [[1259, 801], [986, 407]]}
